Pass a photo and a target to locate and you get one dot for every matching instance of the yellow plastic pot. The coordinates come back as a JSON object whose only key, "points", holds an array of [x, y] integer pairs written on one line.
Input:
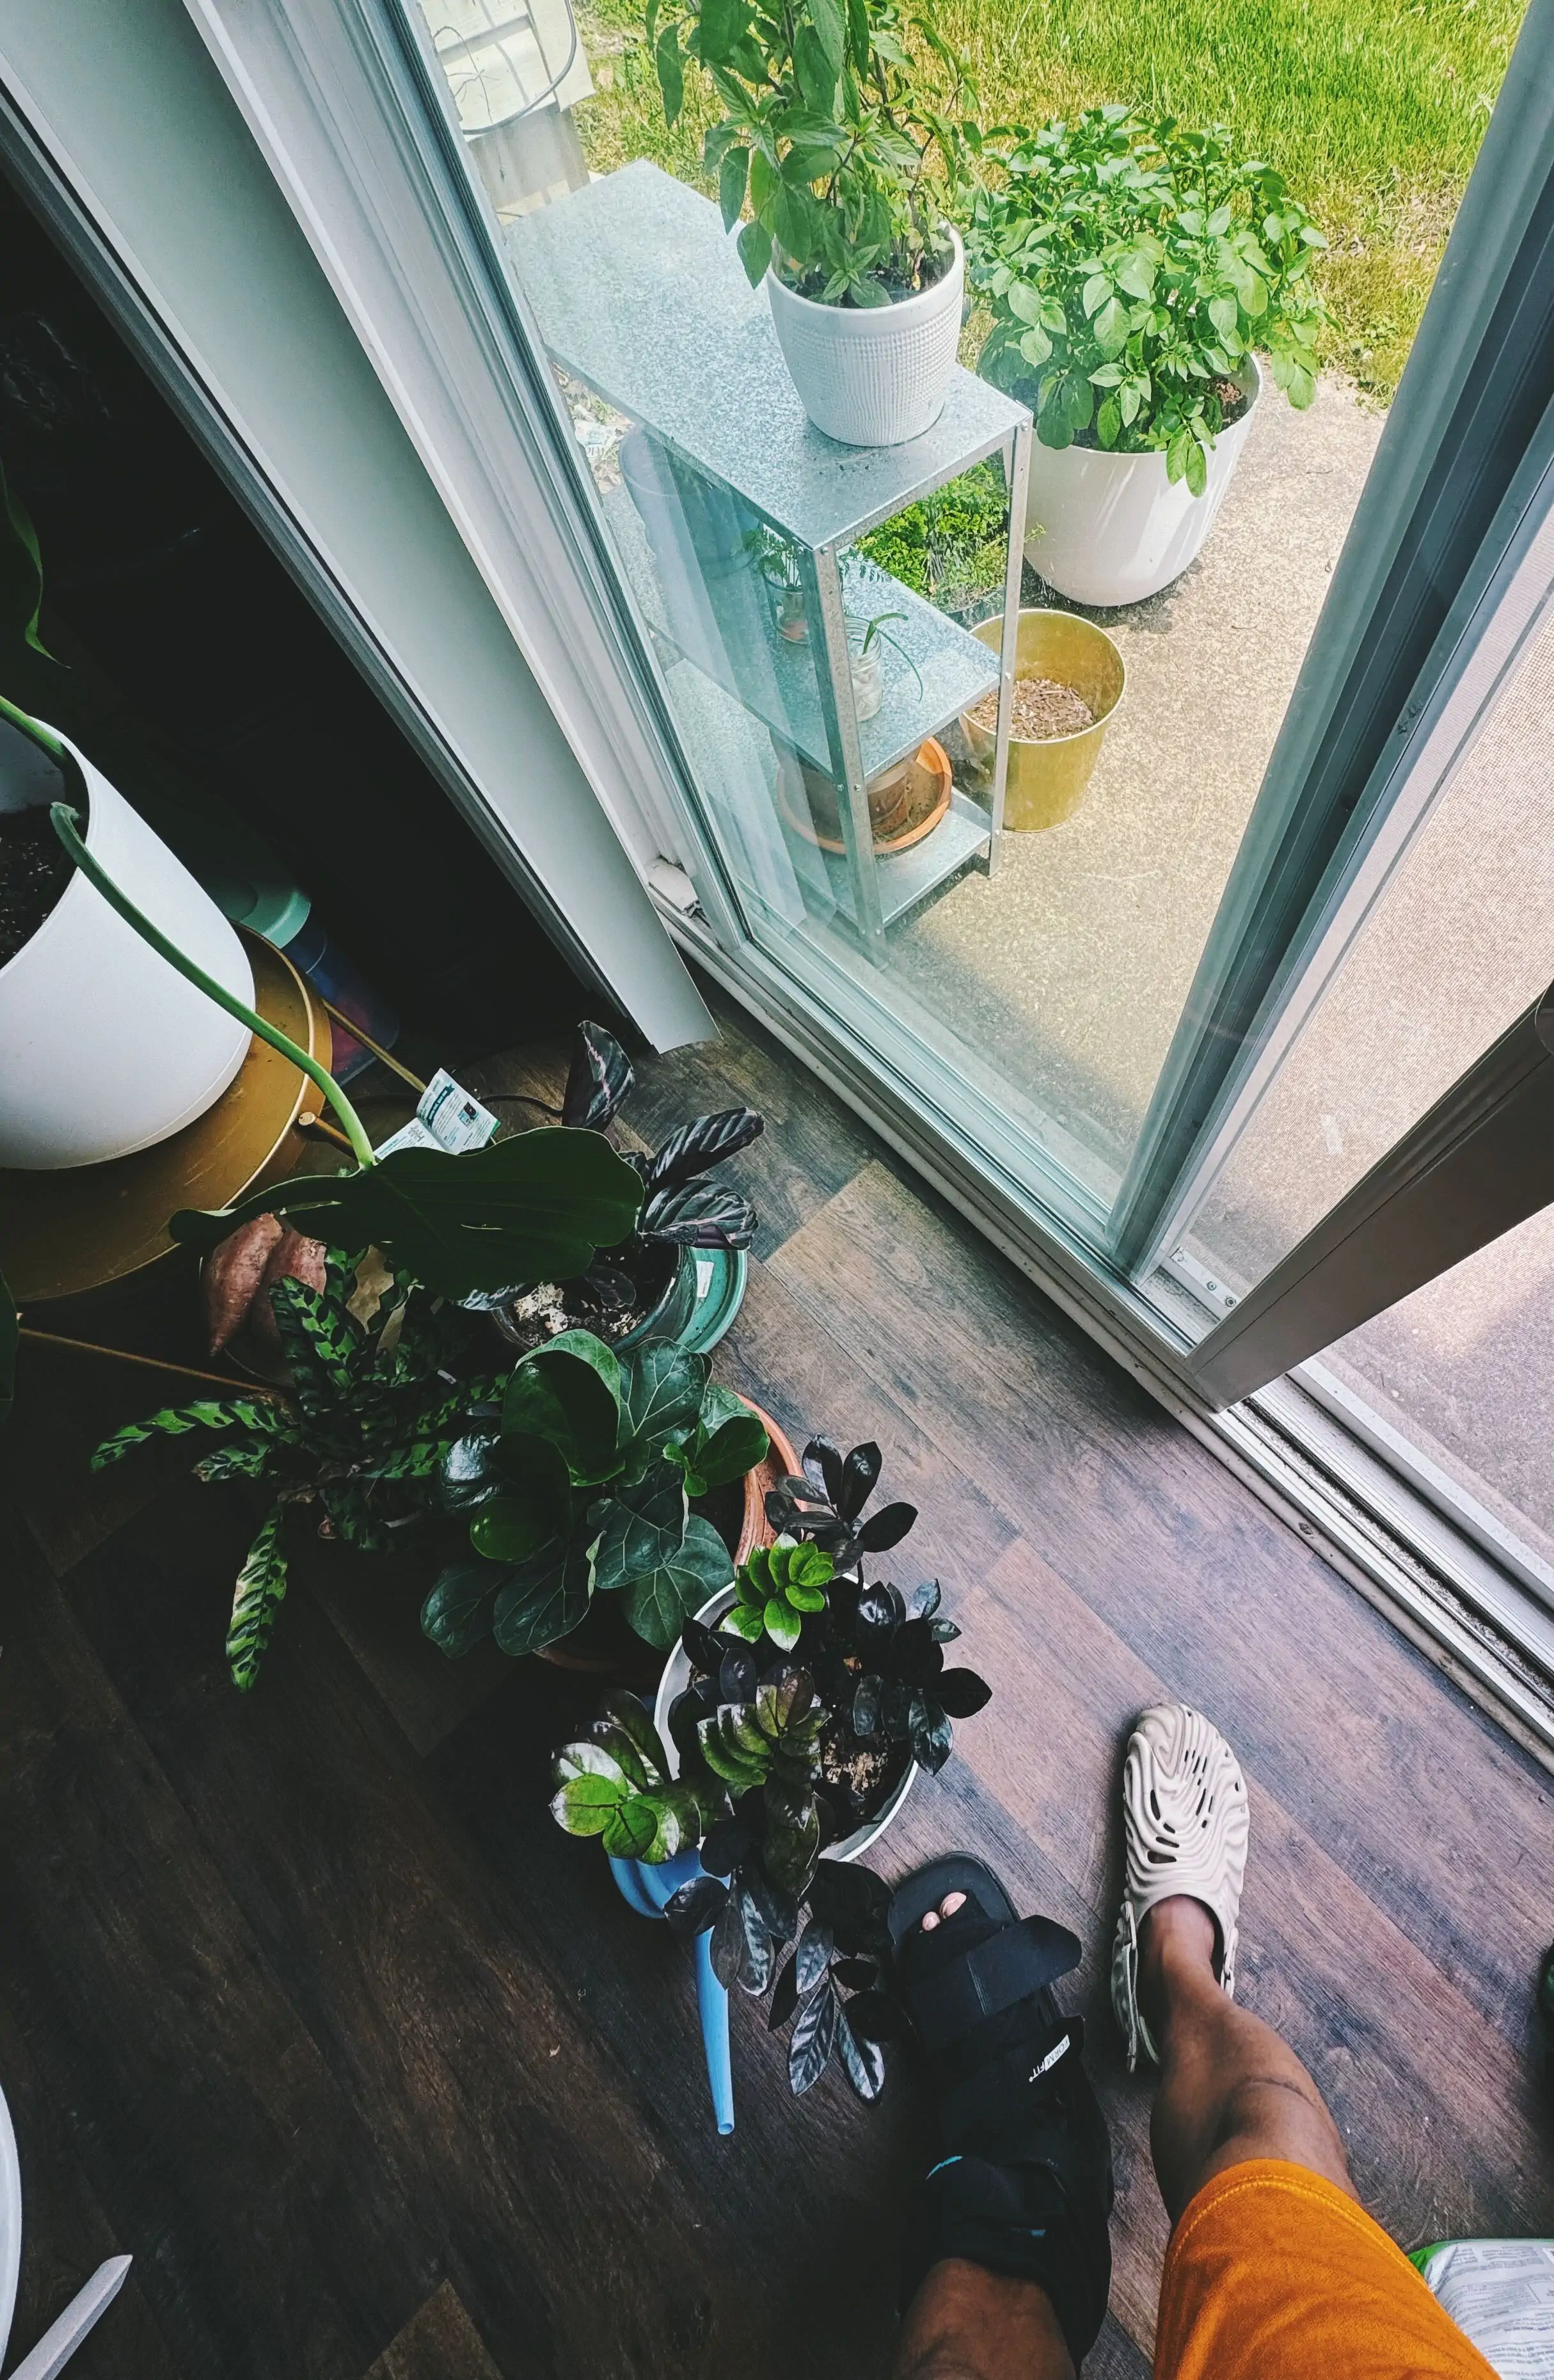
{"points": [[1048, 777]]}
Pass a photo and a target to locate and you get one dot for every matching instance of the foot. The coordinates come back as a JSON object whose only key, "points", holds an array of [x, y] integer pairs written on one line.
{"points": [[1177, 1942], [1185, 1826]]}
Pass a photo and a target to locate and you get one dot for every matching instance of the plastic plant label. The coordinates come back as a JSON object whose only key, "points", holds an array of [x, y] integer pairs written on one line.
{"points": [[1501, 2294], [448, 1117]]}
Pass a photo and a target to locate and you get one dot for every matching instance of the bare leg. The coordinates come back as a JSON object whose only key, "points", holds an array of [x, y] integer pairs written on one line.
{"points": [[1230, 2089], [968, 2324]]}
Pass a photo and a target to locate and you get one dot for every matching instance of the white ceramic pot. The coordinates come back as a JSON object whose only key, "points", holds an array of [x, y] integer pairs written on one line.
{"points": [[872, 375], [1111, 529], [677, 1677], [104, 1047]]}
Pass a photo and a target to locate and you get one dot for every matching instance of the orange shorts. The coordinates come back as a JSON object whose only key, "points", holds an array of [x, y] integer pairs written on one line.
{"points": [[1273, 2274]]}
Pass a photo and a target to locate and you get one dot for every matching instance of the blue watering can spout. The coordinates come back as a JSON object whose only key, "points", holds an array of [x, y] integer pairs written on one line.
{"points": [[647, 1889]]}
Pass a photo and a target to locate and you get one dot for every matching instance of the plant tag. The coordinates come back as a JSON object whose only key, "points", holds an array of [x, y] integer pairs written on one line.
{"points": [[448, 1117], [703, 1276]]}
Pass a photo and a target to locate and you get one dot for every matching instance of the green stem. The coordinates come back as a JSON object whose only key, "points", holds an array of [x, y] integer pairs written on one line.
{"points": [[33, 728], [66, 824]]}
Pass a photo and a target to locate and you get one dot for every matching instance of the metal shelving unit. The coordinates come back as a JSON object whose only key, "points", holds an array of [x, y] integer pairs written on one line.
{"points": [[641, 296]]}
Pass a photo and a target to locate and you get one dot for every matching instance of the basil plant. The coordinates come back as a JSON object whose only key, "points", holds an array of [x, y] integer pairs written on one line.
{"points": [[842, 130], [1132, 267], [584, 1487]]}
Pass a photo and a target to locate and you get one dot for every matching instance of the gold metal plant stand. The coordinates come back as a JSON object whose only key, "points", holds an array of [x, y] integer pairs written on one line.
{"points": [[88, 1227]]}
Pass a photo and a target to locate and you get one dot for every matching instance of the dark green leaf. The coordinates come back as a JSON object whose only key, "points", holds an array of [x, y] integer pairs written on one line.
{"points": [[723, 26], [657, 1601], [456, 1614], [785, 1996], [696, 1906], [544, 1599], [570, 1393], [814, 2037], [510, 1529], [863, 2062], [586, 1805], [535, 1208], [627, 1713], [813, 1955], [734, 1448], [755, 252], [733, 174], [261, 1585], [599, 1078], [173, 1421], [22, 575], [662, 1385], [672, 84], [829, 24]]}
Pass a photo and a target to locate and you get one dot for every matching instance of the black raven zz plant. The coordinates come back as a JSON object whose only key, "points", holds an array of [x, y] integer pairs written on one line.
{"points": [[805, 1706]]}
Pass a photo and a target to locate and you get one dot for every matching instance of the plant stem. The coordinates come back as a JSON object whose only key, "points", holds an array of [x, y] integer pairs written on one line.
{"points": [[65, 826], [152, 1362], [33, 728]]}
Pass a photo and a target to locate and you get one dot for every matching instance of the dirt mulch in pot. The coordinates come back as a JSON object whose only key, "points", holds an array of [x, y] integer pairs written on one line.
{"points": [[1042, 708], [857, 1779], [34, 871]]}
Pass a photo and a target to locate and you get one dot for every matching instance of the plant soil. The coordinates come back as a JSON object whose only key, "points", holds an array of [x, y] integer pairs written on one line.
{"points": [[856, 1780], [34, 871], [1042, 708], [541, 1314]]}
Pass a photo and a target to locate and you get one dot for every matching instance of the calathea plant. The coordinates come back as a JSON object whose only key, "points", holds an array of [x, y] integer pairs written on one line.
{"points": [[376, 1400], [841, 128], [1132, 266], [582, 1487]]}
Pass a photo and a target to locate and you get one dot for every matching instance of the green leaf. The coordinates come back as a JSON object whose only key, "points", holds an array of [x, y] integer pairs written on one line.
{"points": [[173, 1421], [1225, 314], [545, 1598], [1110, 327], [755, 252], [803, 1597], [830, 25], [510, 1529], [1196, 468], [319, 1340], [723, 26], [745, 1620], [246, 1459], [456, 1614], [782, 1623], [662, 1387], [792, 1842], [796, 224], [1023, 303], [570, 1393], [261, 1589], [734, 174], [21, 572], [639, 1529], [1097, 289], [1036, 346], [585, 1806], [1109, 423], [659, 1601], [586, 1758], [734, 1448], [535, 1208], [671, 85], [631, 1828], [629, 1714]]}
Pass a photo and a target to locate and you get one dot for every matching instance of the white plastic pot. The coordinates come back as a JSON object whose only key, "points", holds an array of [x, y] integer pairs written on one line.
{"points": [[677, 1677], [104, 1047], [1111, 529], [872, 375]]}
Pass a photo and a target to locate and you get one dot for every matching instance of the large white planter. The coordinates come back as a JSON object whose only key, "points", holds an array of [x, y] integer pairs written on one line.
{"points": [[677, 1677], [1111, 529], [872, 375], [104, 1047]]}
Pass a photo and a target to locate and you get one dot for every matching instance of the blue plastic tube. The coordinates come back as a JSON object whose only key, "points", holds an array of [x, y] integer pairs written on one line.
{"points": [[645, 1890]]}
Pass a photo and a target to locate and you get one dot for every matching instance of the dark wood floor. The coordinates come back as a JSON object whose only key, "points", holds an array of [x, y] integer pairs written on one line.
{"points": [[306, 2003]]}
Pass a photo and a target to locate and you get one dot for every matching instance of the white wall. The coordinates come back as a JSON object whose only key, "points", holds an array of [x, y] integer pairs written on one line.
{"points": [[124, 99]]}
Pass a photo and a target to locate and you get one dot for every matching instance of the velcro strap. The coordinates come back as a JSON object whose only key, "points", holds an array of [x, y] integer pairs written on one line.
{"points": [[1006, 2091], [1009, 1966]]}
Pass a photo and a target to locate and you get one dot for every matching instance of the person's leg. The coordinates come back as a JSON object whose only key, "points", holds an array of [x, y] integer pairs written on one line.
{"points": [[1230, 2089], [968, 2324]]}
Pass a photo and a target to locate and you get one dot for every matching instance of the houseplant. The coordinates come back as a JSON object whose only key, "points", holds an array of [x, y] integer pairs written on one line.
{"points": [[788, 1722], [644, 1285], [584, 1486], [375, 1402], [840, 131], [1132, 267]]}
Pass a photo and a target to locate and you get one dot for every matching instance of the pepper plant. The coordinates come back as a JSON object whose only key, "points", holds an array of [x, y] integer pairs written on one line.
{"points": [[582, 1487], [375, 1403], [843, 130], [1132, 266]]}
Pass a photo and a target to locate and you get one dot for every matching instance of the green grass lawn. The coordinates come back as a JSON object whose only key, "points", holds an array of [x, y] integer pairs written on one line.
{"points": [[1373, 110]]}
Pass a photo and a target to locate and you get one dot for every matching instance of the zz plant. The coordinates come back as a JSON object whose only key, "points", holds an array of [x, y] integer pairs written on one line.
{"points": [[842, 130], [1131, 267], [582, 1488], [375, 1406]]}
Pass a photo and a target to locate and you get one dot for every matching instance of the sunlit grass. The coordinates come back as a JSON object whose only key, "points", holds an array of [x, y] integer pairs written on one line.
{"points": [[1373, 112]]}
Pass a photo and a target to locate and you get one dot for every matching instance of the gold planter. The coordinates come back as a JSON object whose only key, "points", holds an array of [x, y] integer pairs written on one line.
{"points": [[1048, 776]]}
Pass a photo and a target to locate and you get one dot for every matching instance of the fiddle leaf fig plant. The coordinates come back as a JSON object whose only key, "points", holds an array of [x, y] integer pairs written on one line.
{"points": [[584, 1489], [841, 131], [1132, 267]]}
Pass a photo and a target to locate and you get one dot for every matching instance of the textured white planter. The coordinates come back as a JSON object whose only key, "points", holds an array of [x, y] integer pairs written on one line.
{"points": [[1111, 529], [677, 1677], [872, 375], [104, 1047]]}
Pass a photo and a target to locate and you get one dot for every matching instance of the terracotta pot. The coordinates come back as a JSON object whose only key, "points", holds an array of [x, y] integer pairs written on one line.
{"points": [[605, 1645]]}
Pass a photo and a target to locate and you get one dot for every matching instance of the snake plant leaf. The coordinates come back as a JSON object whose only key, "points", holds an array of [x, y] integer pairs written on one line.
{"points": [[545, 1598], [863, 2062], [657, 1600], [261, 1589], [10, 1342], [535, 1208], [702, 1144], [456, 1614], [814, 2038], [570, 1393], [597, 1081]]}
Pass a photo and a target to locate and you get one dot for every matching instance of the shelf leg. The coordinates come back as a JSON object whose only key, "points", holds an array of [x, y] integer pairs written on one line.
{"points": [[1016, 465], [839, 712]]}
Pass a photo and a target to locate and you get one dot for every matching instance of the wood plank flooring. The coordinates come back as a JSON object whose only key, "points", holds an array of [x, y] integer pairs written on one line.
{"points": [[307, 2005]]}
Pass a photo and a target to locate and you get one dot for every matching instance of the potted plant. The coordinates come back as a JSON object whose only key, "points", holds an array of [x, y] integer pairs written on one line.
{"points": [[645, 1286], [604, 1475], [1132, 267], [840, 128], [106, 1050], [790, 1721], [378, 1390], [1069, 678]]}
